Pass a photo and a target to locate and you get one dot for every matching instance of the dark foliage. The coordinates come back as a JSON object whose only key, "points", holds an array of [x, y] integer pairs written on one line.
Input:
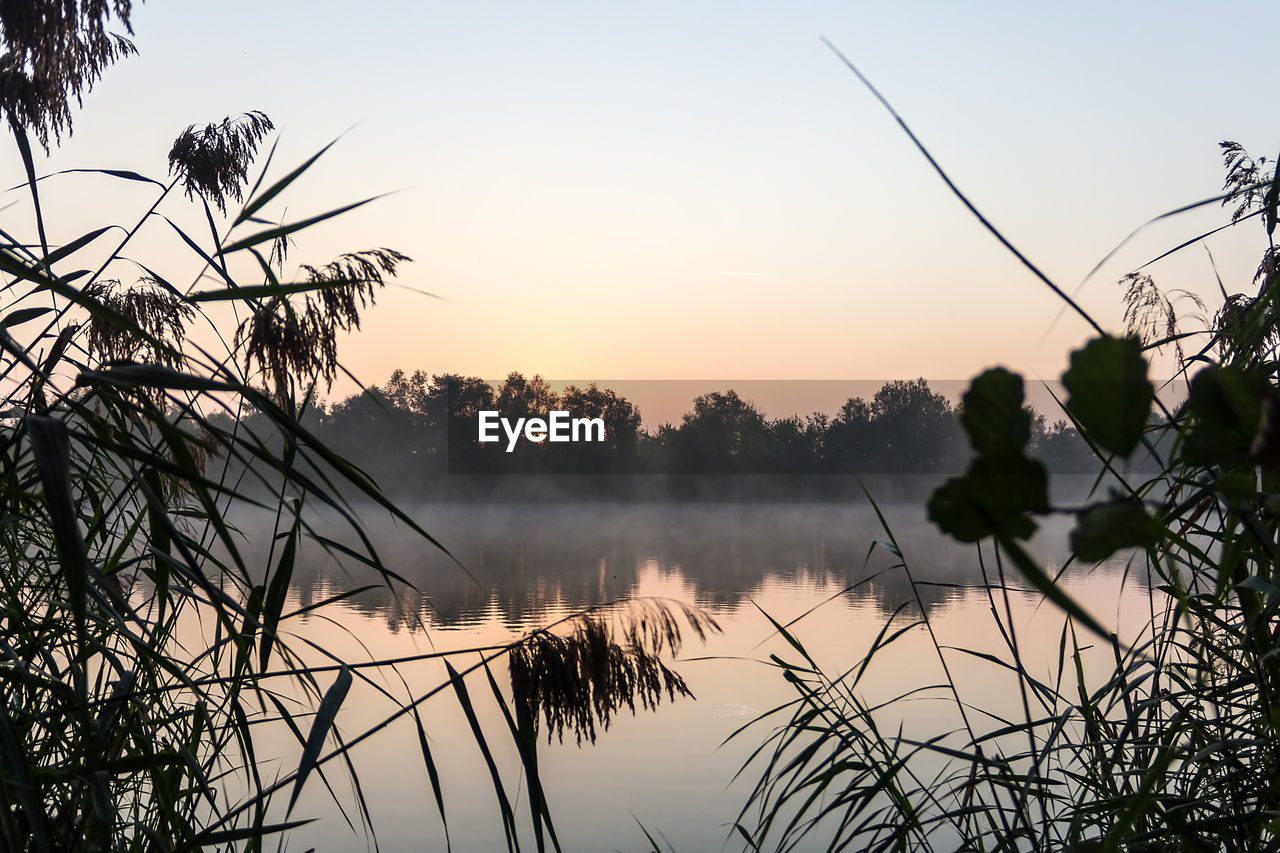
{"points": [[297, 338], [1172, 743], [416, 432], [212, 162], [574, 682], [158, 311], [54, 51]]}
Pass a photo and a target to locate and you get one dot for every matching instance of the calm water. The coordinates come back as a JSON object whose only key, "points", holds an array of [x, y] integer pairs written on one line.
{"points": [[668, 770]]}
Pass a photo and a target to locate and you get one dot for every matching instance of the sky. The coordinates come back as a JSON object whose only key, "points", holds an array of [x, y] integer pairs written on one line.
{"points": [[676, 190]]}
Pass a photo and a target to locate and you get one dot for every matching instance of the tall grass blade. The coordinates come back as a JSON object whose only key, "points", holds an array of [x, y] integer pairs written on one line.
{"points": [[51, 446], [292, 228], [277, 590], [258, 202], [1061, 294], [477, 734], [325, 715], [433, 775]]}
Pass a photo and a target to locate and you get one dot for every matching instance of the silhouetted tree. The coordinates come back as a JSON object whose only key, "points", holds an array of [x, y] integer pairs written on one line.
{"points": [[410, 393], [916, 427], [658, 451], [1061, 448], [724, 434], [522, 398], [619, 452], [849, 444], [795, 445], [454, 403], [383, 439], [415, 428]]}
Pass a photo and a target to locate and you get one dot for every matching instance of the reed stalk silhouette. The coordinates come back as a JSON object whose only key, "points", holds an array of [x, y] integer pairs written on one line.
{"points": [[1174, 743], [142, 651]]}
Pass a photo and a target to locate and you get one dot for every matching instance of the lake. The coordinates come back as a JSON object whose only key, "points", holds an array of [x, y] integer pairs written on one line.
{"points": [[670, 770]]}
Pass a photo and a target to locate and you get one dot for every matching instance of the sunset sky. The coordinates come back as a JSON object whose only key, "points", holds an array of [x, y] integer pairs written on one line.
{"points": [[676, 190]]}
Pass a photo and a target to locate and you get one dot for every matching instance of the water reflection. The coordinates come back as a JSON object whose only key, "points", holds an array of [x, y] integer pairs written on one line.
{"points": [[532, 563], [523, 564]]}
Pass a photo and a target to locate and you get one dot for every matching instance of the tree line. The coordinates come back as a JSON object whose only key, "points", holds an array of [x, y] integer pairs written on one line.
{"points": [[415, 429]]}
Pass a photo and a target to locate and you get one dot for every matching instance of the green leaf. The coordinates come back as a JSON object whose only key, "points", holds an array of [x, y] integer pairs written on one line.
{"points": [[22, 315], [953, 509], [18, 783], [277, 591], [1049, 586], [1225, 404], [1262, 585], [1237, 487], [226, 836], [1103, 529], [1109, 393], [995, 497], [75, 245], [28, 163], [285, 230], [151, 376], [1270, 202], [58, 350], [1010, 489], [433, 775], [993, 416], [263, 291], [320, 726], [160, 540], [477, 733], [258, 202], [18, 351], [523, 727], [123, 174], [50, 443]]}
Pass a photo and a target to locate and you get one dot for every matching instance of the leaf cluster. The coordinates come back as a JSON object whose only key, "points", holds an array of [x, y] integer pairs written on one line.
{"points": [[574, 682], [1173, 744], [54, 51], [212, 162]]}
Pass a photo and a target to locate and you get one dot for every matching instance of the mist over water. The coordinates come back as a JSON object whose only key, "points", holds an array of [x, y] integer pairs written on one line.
{"points": [[525, 564], [528, 560]]}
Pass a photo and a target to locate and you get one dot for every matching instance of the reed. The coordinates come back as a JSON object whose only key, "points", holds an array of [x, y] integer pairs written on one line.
{"points": [[142, 650], [1168, 741]]}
